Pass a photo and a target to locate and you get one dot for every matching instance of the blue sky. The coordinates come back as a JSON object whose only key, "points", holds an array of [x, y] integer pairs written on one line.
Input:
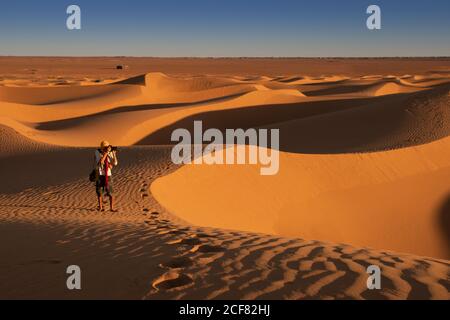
{"points": [[177, 28]]}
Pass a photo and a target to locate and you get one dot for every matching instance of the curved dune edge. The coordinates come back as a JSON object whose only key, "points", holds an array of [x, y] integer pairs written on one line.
{"points": [[140, 106], [14, 144], [131, 127], [390, 88], [360, 199], [168, 258], [52, 217]]}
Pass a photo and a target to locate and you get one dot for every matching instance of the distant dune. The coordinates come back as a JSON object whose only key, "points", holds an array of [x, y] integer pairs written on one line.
{"points": [[56, 70]]}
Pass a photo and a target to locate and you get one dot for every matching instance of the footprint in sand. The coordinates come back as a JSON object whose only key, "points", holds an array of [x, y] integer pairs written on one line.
{"points": [[177, 263], [206, 248], [188, 241], [163, 225], [150, 223], [144, 190], [173, 232], [204, 235], [173, 280]]}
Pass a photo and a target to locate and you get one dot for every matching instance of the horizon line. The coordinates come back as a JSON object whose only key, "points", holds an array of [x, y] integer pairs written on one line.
{"points": [[226, 57]]}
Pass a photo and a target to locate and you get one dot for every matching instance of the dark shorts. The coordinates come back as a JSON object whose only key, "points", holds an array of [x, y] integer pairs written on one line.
{"points": [[100, 187]]}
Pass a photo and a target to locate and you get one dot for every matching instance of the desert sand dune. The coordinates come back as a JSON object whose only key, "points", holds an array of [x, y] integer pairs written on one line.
{"points": [[395, 122], [409, 124], [363, 177], [340, 198], [13, 144], [134, 126], [373, 89], [47, 69], [54, 225], [64, 94], [336, 124]]}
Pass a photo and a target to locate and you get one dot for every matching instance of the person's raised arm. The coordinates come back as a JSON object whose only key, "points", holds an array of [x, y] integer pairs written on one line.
{"points": [[115, 159]]}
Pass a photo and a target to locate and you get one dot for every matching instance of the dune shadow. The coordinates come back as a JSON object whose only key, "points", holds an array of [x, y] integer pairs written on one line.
{"points": [[253, 117], [334, 126], [51, 167], [136, 80], [55, 167], [444, 222], [344, 89], [67, 123], [48, 207]]}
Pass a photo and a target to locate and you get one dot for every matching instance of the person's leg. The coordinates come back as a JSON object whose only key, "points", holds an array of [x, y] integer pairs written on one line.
{"points": [[100, 203], [99, 191], [111, 203], [110, 195]]}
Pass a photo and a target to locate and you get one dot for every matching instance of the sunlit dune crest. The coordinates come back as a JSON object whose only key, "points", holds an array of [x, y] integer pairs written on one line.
{"points": [[364, 179]]}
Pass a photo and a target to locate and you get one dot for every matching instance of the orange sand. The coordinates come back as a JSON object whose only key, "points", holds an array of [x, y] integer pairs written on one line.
{"points": [[364, 178]]}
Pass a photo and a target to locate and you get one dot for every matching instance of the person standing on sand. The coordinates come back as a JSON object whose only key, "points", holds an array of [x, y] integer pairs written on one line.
{"points": [[105, 160]]}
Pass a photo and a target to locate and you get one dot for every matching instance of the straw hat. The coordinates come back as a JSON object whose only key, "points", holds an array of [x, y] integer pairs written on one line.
{"points": [[104, 144]]}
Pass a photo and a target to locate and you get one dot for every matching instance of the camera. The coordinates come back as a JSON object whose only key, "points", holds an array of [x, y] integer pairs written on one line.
{"points": [[114, 148]]}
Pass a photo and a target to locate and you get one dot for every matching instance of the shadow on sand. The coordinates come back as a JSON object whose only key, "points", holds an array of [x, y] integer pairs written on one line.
{"points": [[444, 221], [333, 126]]}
